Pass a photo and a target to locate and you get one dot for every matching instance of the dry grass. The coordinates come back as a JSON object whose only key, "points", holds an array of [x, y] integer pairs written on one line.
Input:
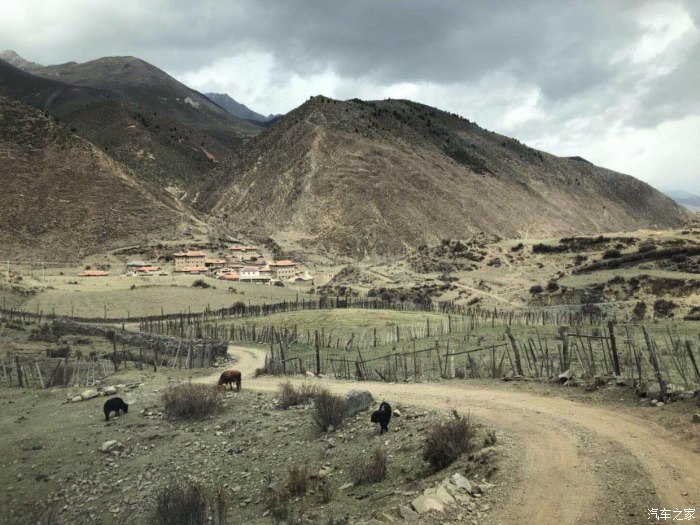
{"points": [[330, 410], [291, 396], [370, 469], [298, 479], [445, 442], [191, 401], [179, 504]]}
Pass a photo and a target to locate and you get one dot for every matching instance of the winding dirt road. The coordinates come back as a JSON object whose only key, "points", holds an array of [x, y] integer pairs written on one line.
{"points": [[572, 463]]}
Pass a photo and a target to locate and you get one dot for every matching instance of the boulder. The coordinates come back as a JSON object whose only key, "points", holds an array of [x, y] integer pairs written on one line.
{"points": [[425, 503], [461, 482], [76, 399], [357, 401], [111, 446], [397, 413], [407, 514], [109, 390], [565, 376], [89, 394], [444, 496], [620, 381]]}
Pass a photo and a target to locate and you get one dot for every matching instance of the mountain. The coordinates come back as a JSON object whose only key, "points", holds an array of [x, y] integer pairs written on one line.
{"points": [[63, 198], [163, 130], [361, 178], [14, 59], [238, 109], [686, 199]]}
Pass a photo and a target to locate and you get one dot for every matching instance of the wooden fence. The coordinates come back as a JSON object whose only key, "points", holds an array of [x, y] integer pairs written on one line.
{"points": [[27, 372]]}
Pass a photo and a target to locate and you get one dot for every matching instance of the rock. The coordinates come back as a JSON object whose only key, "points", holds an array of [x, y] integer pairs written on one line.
{"points": [[565, 376], [310, 374], [76, 399], [654, 390], [407, 514], [357, 401], [346, 486], [425, 503], [111, 446], [109, 390], [397, 413], [444, 496], [696, 417], [660, 404], [620, 381], [373, 522], [461, 482], [89, 394]]}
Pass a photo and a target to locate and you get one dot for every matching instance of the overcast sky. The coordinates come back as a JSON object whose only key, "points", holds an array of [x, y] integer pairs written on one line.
{"points": [[617, 82]]}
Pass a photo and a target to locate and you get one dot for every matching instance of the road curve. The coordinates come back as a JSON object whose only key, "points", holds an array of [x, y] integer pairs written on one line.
{"points": [[562, 445]]}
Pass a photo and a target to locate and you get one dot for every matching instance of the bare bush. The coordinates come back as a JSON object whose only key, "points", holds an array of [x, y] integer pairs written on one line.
{"points": [[330, 410], [179, 504], [297, 479], [326, 493], [445, 442], [370, 469], [291, 396], [191, 401]]}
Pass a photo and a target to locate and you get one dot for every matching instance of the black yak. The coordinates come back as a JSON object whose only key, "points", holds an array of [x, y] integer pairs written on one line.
{"points": [[115, 404], [229, 377], [382, 416]]}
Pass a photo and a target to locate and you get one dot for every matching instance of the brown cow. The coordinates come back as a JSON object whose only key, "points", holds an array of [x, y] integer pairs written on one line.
{"points": [[230, 377]]}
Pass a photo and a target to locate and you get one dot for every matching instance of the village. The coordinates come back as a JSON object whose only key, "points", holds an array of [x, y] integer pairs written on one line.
{"points": [[241, 263]]}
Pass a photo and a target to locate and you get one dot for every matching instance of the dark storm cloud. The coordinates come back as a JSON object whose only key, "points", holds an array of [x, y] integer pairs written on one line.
{"points": [[587, 67]]}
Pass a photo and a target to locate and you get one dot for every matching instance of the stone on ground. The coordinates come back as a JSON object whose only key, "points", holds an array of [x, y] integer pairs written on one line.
{"points": [[357, 401]]}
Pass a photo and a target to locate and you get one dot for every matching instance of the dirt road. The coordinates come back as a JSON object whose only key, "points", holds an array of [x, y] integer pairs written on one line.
{"points": [[575, 463]]}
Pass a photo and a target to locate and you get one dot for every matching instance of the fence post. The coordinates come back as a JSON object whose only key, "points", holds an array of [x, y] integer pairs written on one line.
{"points": [[318, 354], [655, 364], [518, 364], [613, 348]]}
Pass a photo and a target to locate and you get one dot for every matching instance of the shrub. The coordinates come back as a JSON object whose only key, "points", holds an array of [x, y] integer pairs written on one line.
{"points": [[646, 247], [200, 283], [536, 289], [369, 469], [191, 401], [445, 442], [518, 247], [297, 479], [181, 505], [612, 253], [640, 311], [326, 492], [664, 308], [490, 438], [291, 396], [330, 410], [552, 286]]}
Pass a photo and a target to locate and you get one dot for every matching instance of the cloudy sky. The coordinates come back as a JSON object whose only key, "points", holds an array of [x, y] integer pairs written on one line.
{"points": [[614, 81]]}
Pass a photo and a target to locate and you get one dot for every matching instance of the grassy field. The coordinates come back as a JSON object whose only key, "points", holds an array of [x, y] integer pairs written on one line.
{"points": [[588, 356], [149, 296]]}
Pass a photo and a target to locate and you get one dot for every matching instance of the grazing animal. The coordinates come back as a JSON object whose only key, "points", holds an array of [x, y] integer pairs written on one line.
{"points": [[382, 416], [229, 377], [115, 404]]}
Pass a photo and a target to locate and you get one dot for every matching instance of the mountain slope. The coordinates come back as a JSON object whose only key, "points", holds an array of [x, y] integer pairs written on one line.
{"points": [[63, 198], [360, 178], [238, 109], [164, 131], [11, 57]]}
